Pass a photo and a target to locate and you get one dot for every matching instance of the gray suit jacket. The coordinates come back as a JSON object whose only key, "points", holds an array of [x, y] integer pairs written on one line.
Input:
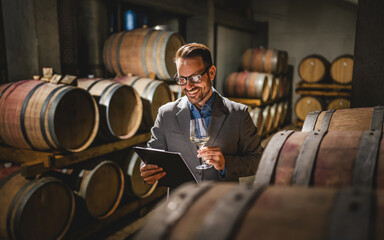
{"points": [[230, 128]]}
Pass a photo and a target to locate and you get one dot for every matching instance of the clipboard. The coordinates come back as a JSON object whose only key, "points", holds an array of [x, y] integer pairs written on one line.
{"points": [[173, 164]]}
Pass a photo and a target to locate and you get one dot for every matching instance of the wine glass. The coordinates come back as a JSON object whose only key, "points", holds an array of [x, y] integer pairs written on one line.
{"points": [[199, 136]]}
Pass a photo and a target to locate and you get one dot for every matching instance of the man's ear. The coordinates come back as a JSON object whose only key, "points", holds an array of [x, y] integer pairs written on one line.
{"points": [[212, 72]]}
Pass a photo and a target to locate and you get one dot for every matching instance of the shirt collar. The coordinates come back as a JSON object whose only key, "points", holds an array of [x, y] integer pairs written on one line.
{"points": [[207, 106]]}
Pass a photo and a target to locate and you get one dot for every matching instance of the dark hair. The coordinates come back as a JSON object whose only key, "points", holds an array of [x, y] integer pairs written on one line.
{"points": [[191, 50]]}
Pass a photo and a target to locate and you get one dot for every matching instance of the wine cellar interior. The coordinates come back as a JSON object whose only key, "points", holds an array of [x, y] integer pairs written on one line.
{"points": [[82, 83]]}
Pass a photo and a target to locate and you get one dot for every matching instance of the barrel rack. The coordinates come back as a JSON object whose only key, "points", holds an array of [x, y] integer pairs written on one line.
{"points": [[251, 102], [323, 89], [36, 162]]}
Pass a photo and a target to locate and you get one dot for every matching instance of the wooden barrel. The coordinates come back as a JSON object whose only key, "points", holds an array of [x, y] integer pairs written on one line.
{"points": [[120, 107], [320, 158], [154, 94], [351, 119], [272, 87], [339, 103], [267, 117], [230, 211], [265, 60], [142, 52], [176, 90], [279, 86], [276, 113], [307, 104], [38, 209], [100, 184], [135, 186], [283, 108], [247, 85], [314, 68], [44, 116], [257, 117], [342, 69]]}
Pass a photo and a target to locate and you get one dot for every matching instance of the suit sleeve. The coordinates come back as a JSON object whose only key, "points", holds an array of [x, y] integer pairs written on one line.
{"points": [[158, 140], [246, 161]]}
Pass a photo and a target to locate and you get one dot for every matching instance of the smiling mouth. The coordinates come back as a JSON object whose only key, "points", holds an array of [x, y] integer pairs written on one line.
{"points": [[193, 91]]}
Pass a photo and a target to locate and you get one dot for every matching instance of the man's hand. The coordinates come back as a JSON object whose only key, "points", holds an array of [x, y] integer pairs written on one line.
{"points": [[151, 173], [212, 155]]}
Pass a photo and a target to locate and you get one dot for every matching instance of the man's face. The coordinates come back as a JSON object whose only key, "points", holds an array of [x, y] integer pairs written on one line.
{"points": [[197, 93]]}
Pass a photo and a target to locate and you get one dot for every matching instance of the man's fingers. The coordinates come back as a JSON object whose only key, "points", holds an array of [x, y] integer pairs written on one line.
{"points": [[148, 173], [153, 178], [148, 167], [209, 154]]}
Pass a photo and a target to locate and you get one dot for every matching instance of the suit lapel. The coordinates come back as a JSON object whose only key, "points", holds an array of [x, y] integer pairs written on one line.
{"points": [[184, 117], [219, 113]]}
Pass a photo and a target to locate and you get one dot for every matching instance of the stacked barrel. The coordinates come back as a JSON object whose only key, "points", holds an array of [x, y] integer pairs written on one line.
{"points": [[324, 85], [325, 182], [264, 78], [47, 116]]}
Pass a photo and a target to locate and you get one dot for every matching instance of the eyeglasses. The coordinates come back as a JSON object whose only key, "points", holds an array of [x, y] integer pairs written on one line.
{"points": [[195, 78]]}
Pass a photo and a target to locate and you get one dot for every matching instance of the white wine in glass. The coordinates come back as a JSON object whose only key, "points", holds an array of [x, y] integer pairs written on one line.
{"points": [[199, 136]]}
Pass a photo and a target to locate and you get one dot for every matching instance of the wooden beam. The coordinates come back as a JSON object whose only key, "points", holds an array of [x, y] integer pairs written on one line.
{"points": [[36, 162], [322, 93], [323, 86]]}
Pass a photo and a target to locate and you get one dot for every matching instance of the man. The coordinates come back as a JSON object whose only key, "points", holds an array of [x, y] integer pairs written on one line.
{"points": [[234, 146]]}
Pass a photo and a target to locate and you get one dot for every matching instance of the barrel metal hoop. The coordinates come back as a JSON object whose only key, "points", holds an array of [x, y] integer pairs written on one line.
{"points": [[154, 52], [180, 202], [105, 91], [162, 56], [268, 161], [223, 220], [119, 41], [110, 53], [327, 120], [42, 115], [263, 60], [366, 158], [6, 179], [275, 57], [135, 81], [305, 161], [351, 216], [143, 52], [310, 121], [377, 118], [93, 84], [84, 182], [154, 84], [149, 96], [5, 89], [22, 113], [51, 115], [130, 173], [11, 209], [1, 94], [107, 100]]}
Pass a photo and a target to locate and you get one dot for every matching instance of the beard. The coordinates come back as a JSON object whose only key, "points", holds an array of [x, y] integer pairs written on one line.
{"points": [[202, 93]]}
